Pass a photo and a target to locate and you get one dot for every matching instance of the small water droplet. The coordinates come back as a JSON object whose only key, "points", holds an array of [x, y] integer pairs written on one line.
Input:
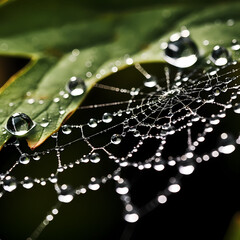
{"points": [[116, 139], [9, 183], [31, 101], [24, 159], [174, 188], [76, 86], [237, 108], [94, 184], [181, 51], [131, 216], [150, 82], [65, 193], [159, 165], [94, 157], [107, 117], [134, 91], [19, 124], [226, 144], [235, 45], [186, 169], [220, 56], [162, 199], [66, 130], [44, 123], [56, 100], [136, 133], [92, 123], [27, 182], [61, 111], [53, 178], [36, 157], [122, 187]]}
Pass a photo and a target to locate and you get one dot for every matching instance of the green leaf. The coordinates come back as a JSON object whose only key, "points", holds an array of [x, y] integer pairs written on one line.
{"points": [[64, 39]]}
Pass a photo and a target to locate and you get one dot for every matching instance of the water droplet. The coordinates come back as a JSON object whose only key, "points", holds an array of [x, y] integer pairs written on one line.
{"points": [[134, 91], [131, 216], [44, 123], [116, 139], [27, 183], [162, 199], [19, 124], [94, 157], [65, 193], [220, 56], [216, 91], [56, 100], [53, 178], [174, 188], [92, 123], [94, 184], [76, 86], [122, 187], [150, 82], [159, 165], [235, 45], [136, 133], [36, 157], [237, 108], [226, 144], [24, 159], [9, 183], [107, 117], [61, 112], [181, 51], [186, 169], [66, 130]]}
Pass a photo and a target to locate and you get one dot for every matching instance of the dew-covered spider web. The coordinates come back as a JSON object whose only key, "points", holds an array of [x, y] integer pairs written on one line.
{"points": [[165, 122]]}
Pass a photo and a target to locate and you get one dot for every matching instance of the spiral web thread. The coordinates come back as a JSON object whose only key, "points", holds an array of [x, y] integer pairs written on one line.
{"points": [[157, 111]]}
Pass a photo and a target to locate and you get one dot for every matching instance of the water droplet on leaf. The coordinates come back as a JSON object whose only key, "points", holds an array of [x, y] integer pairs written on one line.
{"points": [[76, 86], [19, 124], [181, 51], [220, 56]]}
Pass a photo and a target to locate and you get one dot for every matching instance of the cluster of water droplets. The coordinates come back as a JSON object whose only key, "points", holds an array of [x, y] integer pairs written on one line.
{"points": [[154, 111]]}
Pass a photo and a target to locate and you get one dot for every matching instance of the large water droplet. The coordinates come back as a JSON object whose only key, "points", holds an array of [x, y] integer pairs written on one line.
{"points": [[65, 193], [116, 139], [220, 56], [181, 51], [76, 86], [19, 124], [9, 183]]}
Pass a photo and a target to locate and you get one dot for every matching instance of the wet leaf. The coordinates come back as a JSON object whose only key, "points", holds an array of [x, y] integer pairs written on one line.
{"points": [[65, 39]]}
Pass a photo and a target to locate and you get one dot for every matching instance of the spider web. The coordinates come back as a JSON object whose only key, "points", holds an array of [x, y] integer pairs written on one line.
{"points": [[165, 125]]}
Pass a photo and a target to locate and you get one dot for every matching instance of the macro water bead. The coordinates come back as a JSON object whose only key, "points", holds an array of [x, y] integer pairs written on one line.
{"points": [[76, 86], [19, 124], [181, 51]]}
